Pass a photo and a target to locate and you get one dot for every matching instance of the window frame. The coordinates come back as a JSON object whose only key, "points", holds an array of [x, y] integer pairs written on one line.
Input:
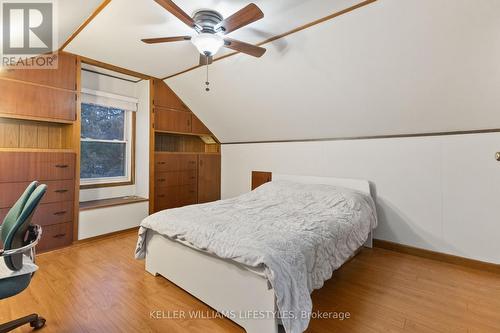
{"points": [[129, 179]]}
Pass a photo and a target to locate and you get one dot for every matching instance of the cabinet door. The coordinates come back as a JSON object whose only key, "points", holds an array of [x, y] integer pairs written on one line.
{"points": [[25, 99], [198, 127], [165, 97], [209, 170], [62, 77], [172, 121]]}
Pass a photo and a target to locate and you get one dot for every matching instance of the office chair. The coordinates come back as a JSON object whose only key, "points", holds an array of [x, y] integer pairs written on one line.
{"points": [[19, 238]]}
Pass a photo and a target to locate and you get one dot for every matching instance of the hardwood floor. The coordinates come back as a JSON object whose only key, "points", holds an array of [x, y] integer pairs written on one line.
{"points": [[99, 287]]}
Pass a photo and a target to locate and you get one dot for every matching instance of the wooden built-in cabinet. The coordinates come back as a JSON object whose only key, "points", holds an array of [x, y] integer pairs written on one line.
{"points": [[183, 179], [172, 120], [172, 115], [165, 97], [63, 77], [175, 121], [21, 99], [41, 93], [209, 170], [197, 127], [57, 171], [39, 140], [185, 169]]}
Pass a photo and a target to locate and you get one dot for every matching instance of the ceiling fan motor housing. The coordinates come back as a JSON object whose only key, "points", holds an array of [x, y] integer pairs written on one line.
{"points": [[207, 20]]}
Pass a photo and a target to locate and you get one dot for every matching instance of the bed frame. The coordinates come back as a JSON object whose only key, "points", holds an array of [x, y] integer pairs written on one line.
{"points": [[225, 286]]}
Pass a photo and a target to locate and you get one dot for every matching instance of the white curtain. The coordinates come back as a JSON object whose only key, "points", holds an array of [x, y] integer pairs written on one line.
{"points": [[90, 96]]}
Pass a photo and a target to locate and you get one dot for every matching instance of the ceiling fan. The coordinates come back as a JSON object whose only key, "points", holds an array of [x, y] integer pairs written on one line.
{"points": [[211, 27]]}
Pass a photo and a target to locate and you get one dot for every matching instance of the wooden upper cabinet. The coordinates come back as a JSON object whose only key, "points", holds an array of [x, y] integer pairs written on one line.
{"points": [[209, 175], [165, 97], [26, 100], [198, 127], [63, 77], [172, 121]]}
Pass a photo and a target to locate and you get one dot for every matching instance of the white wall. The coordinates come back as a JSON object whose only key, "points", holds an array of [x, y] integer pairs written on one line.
{"points": [[105, 220], [435, 193], [392, 67], [102, 221]]}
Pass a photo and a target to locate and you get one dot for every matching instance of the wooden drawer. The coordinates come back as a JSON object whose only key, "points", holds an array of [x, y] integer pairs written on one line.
{"points": [[49, 213], [22, 167], [57, 190], [54, 213], [175, 162], [176, 178], [24, 99], [172, 121], [62, 77], [175, 196], [55, 236]]}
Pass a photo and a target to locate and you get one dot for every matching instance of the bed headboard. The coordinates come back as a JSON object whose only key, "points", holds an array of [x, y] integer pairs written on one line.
{"points": [[262, 177]]}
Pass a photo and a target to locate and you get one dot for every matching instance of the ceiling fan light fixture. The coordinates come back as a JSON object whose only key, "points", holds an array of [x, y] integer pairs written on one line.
{"points": [[208, 44]]}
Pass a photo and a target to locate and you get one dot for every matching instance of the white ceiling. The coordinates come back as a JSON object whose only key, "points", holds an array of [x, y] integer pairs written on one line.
{"points": [[114, 35], [392, 67], [71, 14]]}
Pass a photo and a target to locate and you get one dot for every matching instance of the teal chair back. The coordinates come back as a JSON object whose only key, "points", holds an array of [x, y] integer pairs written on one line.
{"points": [[17, 222]]}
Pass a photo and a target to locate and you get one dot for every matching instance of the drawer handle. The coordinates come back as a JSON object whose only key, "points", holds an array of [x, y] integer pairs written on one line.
{"points": [[61, 191], [62, 166], [192, 191], [193, 177], [62, 212], [161, 196], [192, 162], [162, 163], [59, 235], [161, 179]]}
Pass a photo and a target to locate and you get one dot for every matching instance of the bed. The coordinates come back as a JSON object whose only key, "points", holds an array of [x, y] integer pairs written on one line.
{"points": [[300, 229]]}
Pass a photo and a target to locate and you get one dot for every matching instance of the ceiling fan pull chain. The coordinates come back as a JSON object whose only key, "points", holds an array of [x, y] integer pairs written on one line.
{"points": [[206, 82]]}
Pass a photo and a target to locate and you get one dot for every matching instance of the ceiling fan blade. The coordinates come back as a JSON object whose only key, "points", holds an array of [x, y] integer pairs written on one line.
{"points": [[243, 47], [165, 39], [247, 15], [204, 60], [177, 12]]}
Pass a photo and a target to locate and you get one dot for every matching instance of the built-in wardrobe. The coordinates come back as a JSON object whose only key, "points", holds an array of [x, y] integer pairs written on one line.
{"points": [[39, 140], [185, 161]]}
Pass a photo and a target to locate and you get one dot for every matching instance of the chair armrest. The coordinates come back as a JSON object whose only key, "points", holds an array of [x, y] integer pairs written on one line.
{"points": [[24, 249]]}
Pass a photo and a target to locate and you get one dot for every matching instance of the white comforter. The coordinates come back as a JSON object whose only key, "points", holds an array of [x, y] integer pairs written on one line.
{"points": [[298, 233]]}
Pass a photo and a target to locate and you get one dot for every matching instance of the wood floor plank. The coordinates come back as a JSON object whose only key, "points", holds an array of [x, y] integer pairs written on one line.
{"points": [[99, 287]]}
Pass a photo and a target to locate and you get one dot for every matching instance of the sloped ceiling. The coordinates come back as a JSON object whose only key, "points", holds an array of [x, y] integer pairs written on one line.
{"points": [[114, 36], [71, 14], [393, 67]]}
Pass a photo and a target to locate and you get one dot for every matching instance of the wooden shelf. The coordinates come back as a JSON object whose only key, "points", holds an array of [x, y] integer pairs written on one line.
{"points": [[36, 150], [187, 153], [45, 120], [181, 133], [95, 204]]}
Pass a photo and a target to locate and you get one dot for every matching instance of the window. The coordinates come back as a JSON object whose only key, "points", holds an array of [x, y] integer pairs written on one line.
{"points": [[106, 144]]}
